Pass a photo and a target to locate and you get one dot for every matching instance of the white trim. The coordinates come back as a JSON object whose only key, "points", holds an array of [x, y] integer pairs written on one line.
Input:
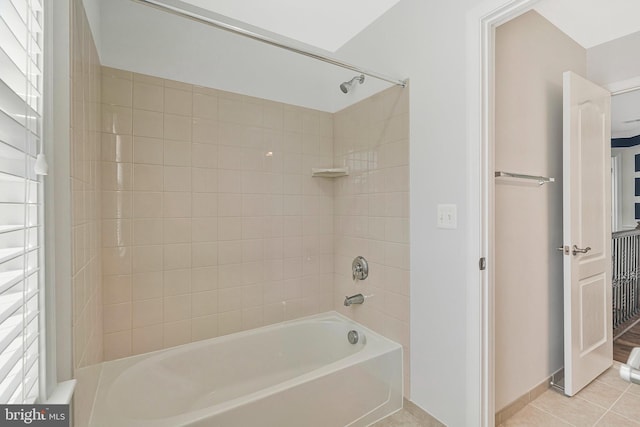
{"points": [[56, 348], [62, 394], [47, 373], [59, 350], [616, 205], [624, 86], [481, 24]]}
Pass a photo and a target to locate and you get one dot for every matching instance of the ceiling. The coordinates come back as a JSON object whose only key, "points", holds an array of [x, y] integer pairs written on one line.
{"points": [[592, 22], [329, 24], [326, 24]]}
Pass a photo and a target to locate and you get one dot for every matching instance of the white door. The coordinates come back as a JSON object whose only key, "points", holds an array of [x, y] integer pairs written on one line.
{"points": [[588, 343]]}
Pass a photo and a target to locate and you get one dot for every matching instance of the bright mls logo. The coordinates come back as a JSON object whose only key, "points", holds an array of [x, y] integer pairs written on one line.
{"points": [[34, 415]]}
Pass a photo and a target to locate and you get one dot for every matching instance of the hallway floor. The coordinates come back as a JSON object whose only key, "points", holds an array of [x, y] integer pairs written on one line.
{"points": [[608, 401], [623, 345]]}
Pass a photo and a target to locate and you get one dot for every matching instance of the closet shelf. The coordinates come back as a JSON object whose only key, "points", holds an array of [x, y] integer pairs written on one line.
{"points": [[541, 179], [329, 172]]}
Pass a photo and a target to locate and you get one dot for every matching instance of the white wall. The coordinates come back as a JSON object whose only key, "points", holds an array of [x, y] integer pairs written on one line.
{"points": [[426, 42], [531, 55], [627, 185], [614, 61], [58, 259], [609, 63]]}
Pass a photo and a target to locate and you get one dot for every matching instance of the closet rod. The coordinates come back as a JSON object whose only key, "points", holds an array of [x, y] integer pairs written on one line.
{"points": [[541, 179]]}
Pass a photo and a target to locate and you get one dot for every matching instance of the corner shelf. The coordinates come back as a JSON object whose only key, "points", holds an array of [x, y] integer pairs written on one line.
{"points": [[329, 172]]}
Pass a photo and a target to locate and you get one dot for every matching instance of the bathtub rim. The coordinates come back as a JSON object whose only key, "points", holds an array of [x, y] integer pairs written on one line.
{"points": [[235, 335], [376, 345]]}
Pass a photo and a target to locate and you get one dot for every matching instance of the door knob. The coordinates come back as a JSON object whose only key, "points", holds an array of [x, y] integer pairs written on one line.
{"points": [[577, 250]]}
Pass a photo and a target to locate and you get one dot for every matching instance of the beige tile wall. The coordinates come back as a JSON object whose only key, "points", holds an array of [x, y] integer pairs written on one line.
{"points": [[371, 209], [211, 222], [85, 187]]}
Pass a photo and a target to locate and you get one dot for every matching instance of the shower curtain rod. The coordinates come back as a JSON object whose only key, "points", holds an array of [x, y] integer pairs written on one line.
{"points": [[240, 31]]}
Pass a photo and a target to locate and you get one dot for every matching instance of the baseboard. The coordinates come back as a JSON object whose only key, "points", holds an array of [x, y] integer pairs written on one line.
{"points": [[515, 406], [626, 326], [425, 418]]}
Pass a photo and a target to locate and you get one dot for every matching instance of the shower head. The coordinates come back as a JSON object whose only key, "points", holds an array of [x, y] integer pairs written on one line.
{"points": [[346, 86]]}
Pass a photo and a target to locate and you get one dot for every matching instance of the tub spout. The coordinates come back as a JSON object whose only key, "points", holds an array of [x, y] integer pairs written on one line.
{"points": [[355, 299]]}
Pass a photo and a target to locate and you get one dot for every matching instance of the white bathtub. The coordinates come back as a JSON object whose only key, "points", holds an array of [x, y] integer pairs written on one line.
{"points": [[298, 373]]}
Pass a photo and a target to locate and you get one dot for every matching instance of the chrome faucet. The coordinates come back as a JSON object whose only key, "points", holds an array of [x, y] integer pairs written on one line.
{"points": [[355, 299]]}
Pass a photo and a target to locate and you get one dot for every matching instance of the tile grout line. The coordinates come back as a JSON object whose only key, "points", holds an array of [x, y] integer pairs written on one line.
{"points": [[602, 416], [606, 410], [609, 409], [621, 396], [549, 413], [625, 417]]}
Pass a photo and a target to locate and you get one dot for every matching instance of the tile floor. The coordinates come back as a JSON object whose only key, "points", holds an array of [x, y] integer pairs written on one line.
{"points": [[402, 418], [409, 416], [608, 401], [623, 345]]}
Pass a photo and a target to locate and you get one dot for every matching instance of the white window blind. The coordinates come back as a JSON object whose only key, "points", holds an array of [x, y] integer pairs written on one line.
{"points": [[21, 41]]}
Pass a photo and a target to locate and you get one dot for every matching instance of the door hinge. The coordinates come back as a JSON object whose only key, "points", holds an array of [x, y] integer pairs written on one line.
{"points": [[482, 264]]}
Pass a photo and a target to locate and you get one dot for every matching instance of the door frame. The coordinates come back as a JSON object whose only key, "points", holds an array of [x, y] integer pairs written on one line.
{"points": [[481, 25], [482, 22]]}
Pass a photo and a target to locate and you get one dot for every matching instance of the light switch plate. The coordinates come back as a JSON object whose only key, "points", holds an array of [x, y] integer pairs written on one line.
{"points": [[448, 216]]}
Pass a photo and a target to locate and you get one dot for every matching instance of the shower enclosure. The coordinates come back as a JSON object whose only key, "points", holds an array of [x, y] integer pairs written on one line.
{"points": [[211, 220]]}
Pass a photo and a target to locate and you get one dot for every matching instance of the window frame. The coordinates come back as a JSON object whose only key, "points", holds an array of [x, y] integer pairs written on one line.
{"points": [[57, 383]]}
